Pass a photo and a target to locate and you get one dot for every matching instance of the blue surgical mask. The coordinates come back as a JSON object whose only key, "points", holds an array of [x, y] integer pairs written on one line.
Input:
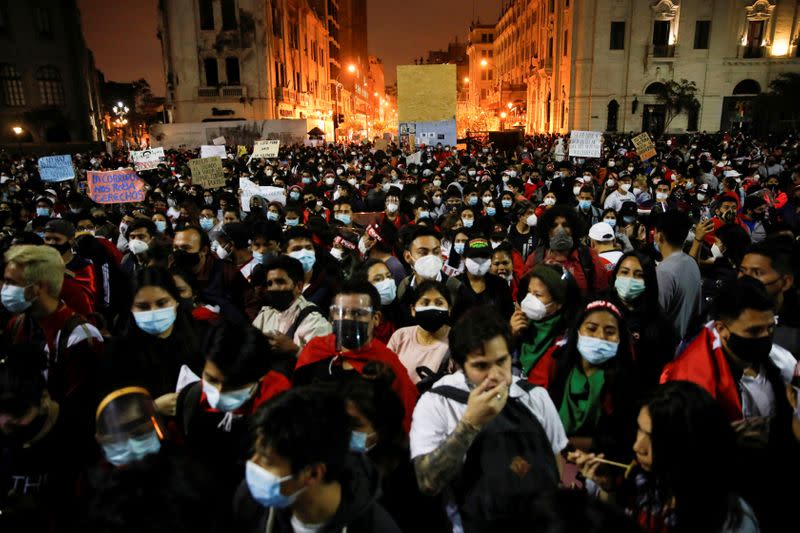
{"points": [[265, 487], [161, 226], [344, 218], [306, 257], [306, 180], [611, 221], [272, 215], [585, 204], [133, 449], [596, 351], [292, 221], [42, 212], [628, 288], [13, 298], [459, 247], [424, 214], [206, 223], [358, 442], [505, 203], [227, 401], [491, 211], [387, 289], [468, 222], [156, 322], [472, 200], [294, 195]]}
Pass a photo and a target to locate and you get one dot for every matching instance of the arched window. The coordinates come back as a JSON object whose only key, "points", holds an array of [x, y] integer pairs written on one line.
{"points": [[613, 113], [11, 93], [51, 88], [655, 88], [747, 87]]}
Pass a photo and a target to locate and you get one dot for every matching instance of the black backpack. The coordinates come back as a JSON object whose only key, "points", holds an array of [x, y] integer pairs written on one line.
{"points": [[508, 465], [428, 377]]}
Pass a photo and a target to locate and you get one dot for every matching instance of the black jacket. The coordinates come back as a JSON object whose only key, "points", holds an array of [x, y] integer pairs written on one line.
{"points": [[358, 511]]}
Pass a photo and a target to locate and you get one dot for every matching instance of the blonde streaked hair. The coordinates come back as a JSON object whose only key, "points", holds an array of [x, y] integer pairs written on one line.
{"points": [[39, 263]]}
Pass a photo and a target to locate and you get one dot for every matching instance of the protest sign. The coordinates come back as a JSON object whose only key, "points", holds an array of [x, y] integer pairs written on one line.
{"points": [[381, 144], [207, 172], [644, 146], [414, 158], [115, 187], [585, 143], [250, 189], [147, 159], [241, 150], [213, 151], [219, 141], [56, 168], [267, 149]]}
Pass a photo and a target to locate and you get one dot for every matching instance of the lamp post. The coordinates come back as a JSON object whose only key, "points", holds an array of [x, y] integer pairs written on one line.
{"points": [[351, 68], [121, 111], [18, 132]]}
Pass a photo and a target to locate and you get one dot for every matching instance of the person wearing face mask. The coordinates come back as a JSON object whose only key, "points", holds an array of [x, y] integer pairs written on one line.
{"points": [[754, 217], [623, 193], [354, 313], [522, 235], [376, 243], [301, 484], [392, 214], [160, 338], [478, 286], [602, 240], [321, 272], [128, 429], [547, 304], [79, 290], [378, 274], [635, 293], [588, 213], [423, 349], [234, 246], [186, 283], [466, 411]]}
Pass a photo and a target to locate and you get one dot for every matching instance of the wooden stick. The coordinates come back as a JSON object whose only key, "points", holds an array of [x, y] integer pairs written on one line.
{"points": [[612, 463]]}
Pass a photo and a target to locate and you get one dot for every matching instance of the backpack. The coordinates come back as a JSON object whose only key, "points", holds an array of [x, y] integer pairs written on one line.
{"points": [[302, 315], [587, 265], [509, 463], [428, 377]]}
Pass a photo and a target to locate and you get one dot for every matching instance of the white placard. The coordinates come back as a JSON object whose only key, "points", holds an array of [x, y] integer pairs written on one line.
{"points": [[250, 189], [219, 141], [414, 158], [212, 151], [585, 143], [267, 149], [147, 159]]}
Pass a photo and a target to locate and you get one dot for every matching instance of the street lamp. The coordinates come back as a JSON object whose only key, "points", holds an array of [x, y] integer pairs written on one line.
{"points": [[18, 132]]}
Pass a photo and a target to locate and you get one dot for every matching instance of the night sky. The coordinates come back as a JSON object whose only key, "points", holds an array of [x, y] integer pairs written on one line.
{"points": [[122, 34]]}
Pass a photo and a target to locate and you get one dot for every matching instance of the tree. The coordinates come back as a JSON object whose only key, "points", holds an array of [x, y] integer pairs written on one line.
{"points": [[780, 104], [677, 97]]}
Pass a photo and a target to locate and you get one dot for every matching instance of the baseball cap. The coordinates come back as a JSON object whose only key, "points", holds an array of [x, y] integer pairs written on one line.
{"points": [[601, 232], [61, 227]]}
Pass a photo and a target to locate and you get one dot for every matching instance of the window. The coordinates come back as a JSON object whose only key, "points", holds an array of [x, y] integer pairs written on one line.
{"points": [[702, 29], [483, 94], [51, 88], [566, 43], [212, 74], [550, 47], [491, 73], [552, 6], [43, 22], [277, 22], [228, 14], [484, 75], [206, 15], [617, 36], [661, 33], [747, 87], [232, 70], [613, 114], [755, 36], [491, 53], [11, 93], [294, 36], [694, 118]]}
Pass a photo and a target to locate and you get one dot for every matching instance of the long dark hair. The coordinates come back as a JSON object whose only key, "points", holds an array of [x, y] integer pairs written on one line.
{"points": [[692, 442], [647, 303]]}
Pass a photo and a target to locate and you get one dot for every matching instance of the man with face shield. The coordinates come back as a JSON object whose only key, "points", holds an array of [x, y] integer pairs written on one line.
{"points": [[355, 313], [127, 427]]}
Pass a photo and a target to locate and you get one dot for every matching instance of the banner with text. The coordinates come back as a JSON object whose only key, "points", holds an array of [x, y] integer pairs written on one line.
{"points": [[115, 187], [207, 172], [585, 143], [266, 149], [56, 168], [147, 159], [208, 150], [250, 189], [644, 146]]}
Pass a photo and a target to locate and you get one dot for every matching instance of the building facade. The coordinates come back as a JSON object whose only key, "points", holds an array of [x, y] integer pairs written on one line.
{"points": [[599, 64], [480, 78], [48, 81]]}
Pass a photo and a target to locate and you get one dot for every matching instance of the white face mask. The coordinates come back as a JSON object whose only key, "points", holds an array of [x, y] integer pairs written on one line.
{"points": [[715, 251], [625, 187], [392, 207], [550, 201], [329, 181], [429, 266], [661, 196], [137, 246], [337, 253], [637, 191], [222, 253], [531, 220], [478, 267], [533, 307], [576, 190]]}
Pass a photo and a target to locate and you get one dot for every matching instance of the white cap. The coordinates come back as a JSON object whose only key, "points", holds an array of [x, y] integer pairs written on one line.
{"points": [[731, 174], [601, 232]]}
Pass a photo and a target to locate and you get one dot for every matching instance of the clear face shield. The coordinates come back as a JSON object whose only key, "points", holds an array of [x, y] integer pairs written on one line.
{"points": [[127, 427], [352, 326]]}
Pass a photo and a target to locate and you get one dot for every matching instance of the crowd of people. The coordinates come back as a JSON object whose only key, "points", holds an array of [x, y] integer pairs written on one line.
{"points": [[499, 338]]}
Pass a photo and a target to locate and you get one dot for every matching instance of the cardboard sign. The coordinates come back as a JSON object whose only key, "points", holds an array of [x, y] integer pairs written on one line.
{"points": [[207, 172], [147, 159], [250, 189], [115, 187], [644, 146], [585, 143], [381, 144], [241, 150], [267, 149], [213, 151], [219, 141], [56, 168]]}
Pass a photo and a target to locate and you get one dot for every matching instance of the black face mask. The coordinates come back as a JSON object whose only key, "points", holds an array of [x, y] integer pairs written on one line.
{"points": [[727, 216], [62, 248], [753, 351], [351, 334], [186, 260], [280, 300], [432, 319], [311, 204]]}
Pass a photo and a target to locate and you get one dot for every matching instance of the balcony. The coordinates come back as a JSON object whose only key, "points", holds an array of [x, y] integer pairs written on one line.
{"points": [[227, 92], [663, 50], [753, 51]]}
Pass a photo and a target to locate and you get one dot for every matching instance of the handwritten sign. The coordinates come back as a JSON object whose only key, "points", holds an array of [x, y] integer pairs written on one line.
{"points": [[219, 141], [56, 168], [241, 150], [381, 144], [115, 187], [266, 149], [213, 151], [644, 146], [207, 172], [250, 189], [147, 159], [415, 158], [585, 143]]}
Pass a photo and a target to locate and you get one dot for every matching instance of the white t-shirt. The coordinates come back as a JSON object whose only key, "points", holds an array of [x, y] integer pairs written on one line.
{"points": [[300, 527], [436, 417]]}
